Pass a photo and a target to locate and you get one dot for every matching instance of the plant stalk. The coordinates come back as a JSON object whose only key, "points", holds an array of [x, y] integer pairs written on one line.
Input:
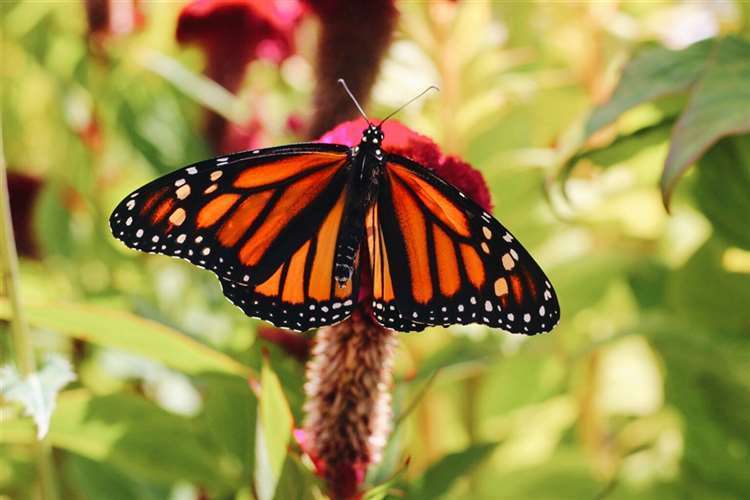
{"points": [[23, 351]]}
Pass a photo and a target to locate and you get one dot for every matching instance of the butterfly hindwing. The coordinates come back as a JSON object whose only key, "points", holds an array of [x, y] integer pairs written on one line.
{"points": [[261, 220], [441, 259]]}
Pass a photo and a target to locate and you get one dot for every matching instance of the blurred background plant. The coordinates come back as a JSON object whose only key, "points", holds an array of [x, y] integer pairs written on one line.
{"points": [[641, 392]]}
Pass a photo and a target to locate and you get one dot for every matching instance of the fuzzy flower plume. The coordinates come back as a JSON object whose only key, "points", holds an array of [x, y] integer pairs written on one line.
{"points": [[349, 372], [354, 37], [348, 401]]}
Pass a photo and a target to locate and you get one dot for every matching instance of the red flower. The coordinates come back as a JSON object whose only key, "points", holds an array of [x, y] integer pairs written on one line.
{"points": [[234, 32], [23, 193]]}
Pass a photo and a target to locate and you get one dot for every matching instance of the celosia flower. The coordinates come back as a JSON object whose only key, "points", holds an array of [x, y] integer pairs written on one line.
{"points": [[233, 33], [348, 377], [354, 37], [401, 140]]}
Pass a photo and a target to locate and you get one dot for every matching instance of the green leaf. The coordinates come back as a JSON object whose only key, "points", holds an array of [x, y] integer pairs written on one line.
{"points": [[101, 480], [122, 330], [297, 482], [707, 381], [715, 74], [135, 436], [440, 476], [230, 416], [652, 74], [722, 187], [273, 432], [380, 491], [718, 107], [623, 148], [37, 391], [565, 475]]}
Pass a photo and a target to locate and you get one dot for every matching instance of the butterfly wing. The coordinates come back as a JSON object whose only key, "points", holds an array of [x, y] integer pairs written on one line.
{"points": [[264, 221], [454, 262]]}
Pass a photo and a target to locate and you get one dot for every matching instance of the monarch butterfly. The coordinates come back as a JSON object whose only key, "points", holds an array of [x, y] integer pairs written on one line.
{"points": [[288, 230]]}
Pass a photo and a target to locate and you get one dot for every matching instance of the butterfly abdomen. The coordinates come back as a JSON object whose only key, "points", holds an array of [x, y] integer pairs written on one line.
{"points": [[361, 193]]}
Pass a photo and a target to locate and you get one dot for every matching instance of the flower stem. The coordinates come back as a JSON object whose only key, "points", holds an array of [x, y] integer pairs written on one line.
{"points": [[24, 354], [22, 348]]}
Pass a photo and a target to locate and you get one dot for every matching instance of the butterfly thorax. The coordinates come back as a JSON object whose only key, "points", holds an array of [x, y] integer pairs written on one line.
{"points": [[366, 167]]}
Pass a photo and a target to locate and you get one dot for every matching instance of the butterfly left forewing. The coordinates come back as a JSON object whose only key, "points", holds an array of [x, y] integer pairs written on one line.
{"points": [[262, 220], [451, 262]]}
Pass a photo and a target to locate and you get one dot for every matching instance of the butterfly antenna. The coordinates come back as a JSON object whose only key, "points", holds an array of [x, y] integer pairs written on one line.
{"points": [[431, 87], [356, 103]]}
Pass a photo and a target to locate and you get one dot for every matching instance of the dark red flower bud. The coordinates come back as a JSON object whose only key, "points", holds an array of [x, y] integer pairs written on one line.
{"points": [[296, 345], [23, 191], [113, 17]]}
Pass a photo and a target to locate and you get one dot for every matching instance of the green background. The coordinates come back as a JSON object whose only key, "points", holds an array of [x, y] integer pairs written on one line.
{"points": [[642, 391]]}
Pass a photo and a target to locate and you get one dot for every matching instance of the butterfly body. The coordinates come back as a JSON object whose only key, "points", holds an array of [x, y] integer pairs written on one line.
{"points": [[365, 170], [290, 230]]}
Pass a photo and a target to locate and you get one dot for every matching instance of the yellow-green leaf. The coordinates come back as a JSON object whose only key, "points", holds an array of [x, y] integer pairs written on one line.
{"points": [[125, 331], [273, 431]]}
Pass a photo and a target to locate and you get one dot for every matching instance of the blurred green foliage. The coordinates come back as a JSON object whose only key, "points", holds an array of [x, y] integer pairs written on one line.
{"points": [[641, 392]]}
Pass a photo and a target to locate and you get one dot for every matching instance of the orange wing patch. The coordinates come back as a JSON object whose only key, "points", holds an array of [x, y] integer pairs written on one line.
{"points": [[474, 265], [162, 210], [151, 200], [215, 209], [284, 169], [322, 267], [294, 285], [270, 287], [436, 202], [243, 217], [381, 272], [412, 223], [294, 199], [449, 277]]}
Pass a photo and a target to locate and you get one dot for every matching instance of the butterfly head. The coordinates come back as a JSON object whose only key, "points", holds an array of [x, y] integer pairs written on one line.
{"points": [[372, 141], [373, 134]]}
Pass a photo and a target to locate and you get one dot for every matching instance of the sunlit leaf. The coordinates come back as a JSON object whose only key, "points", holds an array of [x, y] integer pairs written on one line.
{"points": [[297, 482], [273, 431], [121, 330], [230, 416], [655, 73], [718, 107], [714, 74], [135, 436]]}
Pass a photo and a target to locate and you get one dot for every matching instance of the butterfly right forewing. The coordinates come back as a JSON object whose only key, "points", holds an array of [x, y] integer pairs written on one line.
{"points": [[444, 260]]}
